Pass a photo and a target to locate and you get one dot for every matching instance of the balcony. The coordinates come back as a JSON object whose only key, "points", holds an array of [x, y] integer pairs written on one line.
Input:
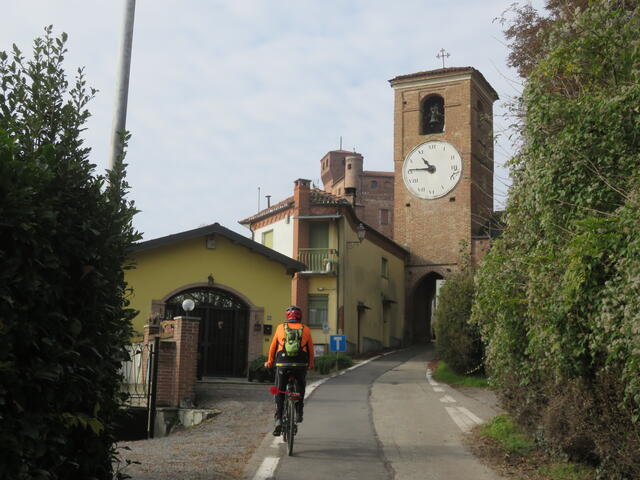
{"points": [[319, 260]]}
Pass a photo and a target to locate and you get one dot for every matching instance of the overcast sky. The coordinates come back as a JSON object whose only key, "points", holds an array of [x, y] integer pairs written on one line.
{"points": [[228, 96]]}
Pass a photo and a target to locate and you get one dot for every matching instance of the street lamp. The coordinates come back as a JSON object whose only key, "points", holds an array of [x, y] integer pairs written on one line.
{"points": [[188, 305]]}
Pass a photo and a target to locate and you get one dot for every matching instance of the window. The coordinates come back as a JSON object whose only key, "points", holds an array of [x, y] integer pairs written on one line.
{"points": [[267, 238], [384, 216], [384, 268], [374, 184], [318, 310]]}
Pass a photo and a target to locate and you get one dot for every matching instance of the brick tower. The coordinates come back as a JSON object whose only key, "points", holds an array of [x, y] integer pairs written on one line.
{"points": [[443, 179]]}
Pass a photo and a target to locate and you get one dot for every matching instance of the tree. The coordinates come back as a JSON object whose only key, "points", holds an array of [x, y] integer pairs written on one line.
{"points": [[458, 341], [557, 298], [64, 234]]}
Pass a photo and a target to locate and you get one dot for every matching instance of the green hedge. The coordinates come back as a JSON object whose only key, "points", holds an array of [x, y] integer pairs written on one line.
{"points": [[327, 363], [64, 234], [557, 297]]}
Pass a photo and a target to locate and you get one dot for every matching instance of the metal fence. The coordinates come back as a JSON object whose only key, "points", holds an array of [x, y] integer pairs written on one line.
{"points": [[139, 374]]}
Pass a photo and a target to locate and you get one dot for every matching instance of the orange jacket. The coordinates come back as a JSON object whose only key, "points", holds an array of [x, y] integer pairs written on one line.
{"points": [[277, 343]]}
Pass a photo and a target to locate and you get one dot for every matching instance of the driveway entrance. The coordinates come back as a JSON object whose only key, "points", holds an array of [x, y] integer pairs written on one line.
{"points": [[224, 330]]}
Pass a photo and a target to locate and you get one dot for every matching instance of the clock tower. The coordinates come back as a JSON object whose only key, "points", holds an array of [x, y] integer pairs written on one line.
{"points": [[443, 179]]}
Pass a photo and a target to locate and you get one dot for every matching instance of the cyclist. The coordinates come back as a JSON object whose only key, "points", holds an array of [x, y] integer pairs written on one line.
{"points": [[290, 359]]}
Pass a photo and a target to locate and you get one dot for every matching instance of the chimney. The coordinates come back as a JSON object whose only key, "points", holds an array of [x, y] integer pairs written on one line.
{"points": [[301, 196]]}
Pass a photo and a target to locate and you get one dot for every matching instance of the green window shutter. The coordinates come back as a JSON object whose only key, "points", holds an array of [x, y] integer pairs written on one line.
{"points": [[318, 235], [384, 268], [318, 310], [267, 238]]}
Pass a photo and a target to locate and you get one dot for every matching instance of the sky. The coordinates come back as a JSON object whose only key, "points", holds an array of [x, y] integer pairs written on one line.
{"points": [[233, 100]]}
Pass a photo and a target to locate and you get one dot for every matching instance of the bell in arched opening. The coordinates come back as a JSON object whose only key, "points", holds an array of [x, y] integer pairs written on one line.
{"points": [[432, 114]]}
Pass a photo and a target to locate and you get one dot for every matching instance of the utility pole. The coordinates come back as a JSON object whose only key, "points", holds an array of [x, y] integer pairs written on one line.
{"points": [[122, 89]]}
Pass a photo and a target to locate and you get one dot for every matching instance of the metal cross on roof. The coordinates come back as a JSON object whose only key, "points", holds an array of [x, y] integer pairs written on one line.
{"points": [[443, 54]]}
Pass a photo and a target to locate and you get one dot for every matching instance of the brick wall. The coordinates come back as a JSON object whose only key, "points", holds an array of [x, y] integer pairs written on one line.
{"points": [[166, 387], [177, 362]]}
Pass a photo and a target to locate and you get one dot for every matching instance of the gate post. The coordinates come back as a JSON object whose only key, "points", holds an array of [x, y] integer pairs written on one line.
{"points": [[185, 335]]}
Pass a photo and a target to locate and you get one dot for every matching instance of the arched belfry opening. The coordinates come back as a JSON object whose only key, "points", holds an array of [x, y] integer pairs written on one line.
{"points": [[224, 329], [432, 115], [423, 305]]}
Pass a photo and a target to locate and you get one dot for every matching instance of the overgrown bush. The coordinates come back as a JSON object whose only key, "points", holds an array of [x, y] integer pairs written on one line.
{"points": [[258, 371], [458, 341], [64, 234], [557, 298], [326, 363]]}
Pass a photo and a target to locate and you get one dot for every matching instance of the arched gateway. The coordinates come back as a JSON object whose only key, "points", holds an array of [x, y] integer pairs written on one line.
{"points": [[224, 329], [423, 302]]}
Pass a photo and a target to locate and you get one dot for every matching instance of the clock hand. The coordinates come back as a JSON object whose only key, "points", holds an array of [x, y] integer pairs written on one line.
{"points": [[429, 169]]}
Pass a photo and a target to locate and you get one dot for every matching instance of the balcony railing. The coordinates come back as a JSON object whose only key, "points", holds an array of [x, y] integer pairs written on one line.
{"points": [[319, 260]]}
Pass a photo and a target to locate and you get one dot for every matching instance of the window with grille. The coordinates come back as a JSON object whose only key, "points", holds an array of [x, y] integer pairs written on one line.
{"points": [[318, 310]]}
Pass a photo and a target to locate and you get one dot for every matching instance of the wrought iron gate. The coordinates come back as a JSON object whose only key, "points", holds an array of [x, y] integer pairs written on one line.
{"points": [[140, 375], [224, 330]]}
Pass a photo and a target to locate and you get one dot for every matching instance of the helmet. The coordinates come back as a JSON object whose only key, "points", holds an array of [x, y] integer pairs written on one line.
{"points": [[294, 314]]}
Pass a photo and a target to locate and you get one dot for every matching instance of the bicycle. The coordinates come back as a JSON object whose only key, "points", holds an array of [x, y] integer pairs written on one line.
{"points": [[289, 424]]}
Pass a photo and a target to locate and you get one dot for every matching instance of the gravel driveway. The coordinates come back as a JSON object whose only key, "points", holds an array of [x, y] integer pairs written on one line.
{"points": [[218, 448]]}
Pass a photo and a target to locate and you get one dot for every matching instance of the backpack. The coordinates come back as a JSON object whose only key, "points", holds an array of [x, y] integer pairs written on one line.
{"points": [[292, 341]]}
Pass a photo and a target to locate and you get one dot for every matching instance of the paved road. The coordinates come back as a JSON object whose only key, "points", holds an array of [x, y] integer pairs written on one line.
{"points": [[383, 420]]}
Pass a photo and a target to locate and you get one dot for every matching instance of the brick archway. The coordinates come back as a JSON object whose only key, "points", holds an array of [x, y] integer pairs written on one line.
{"points": [[422, 303]]}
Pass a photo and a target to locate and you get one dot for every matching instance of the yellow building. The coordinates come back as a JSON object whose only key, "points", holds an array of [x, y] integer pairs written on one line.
{"points": [[240, 289], [354, 280]]}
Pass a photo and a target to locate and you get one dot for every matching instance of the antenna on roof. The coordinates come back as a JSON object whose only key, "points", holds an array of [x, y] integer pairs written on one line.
{"points": [[258, 198]]}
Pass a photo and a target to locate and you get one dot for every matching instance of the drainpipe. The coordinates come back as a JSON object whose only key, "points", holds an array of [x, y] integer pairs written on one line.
{"points": [[340, 253]]}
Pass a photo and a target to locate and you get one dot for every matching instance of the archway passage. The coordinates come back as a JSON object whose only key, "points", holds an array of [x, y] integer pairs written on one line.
{"points": [[224, 330], [423, 303]]}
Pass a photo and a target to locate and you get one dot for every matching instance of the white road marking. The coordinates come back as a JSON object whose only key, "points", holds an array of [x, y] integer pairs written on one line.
{"points": [[430, 379], [463, 418], [312, 386], [269, 464], [448, 399], [469, 414], [267, 468], [438, 389]]}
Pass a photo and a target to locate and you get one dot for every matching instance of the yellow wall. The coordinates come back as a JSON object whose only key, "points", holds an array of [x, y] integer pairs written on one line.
{"points": [[362, 282], [325, 284], [162, 270]]}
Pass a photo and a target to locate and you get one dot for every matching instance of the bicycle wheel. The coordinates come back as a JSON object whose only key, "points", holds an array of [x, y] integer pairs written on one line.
{"points": [[285, 424], [292, 424]]}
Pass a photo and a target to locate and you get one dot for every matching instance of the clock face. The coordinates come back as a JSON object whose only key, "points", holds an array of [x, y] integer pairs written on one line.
{"points": [[432, 170]]}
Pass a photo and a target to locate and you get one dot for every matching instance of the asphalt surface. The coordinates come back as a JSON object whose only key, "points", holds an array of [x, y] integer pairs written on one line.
{"points": [[385, 419]]}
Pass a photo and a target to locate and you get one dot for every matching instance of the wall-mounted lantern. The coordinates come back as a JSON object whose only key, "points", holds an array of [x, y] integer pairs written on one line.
{"points": [[361, 231]]}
